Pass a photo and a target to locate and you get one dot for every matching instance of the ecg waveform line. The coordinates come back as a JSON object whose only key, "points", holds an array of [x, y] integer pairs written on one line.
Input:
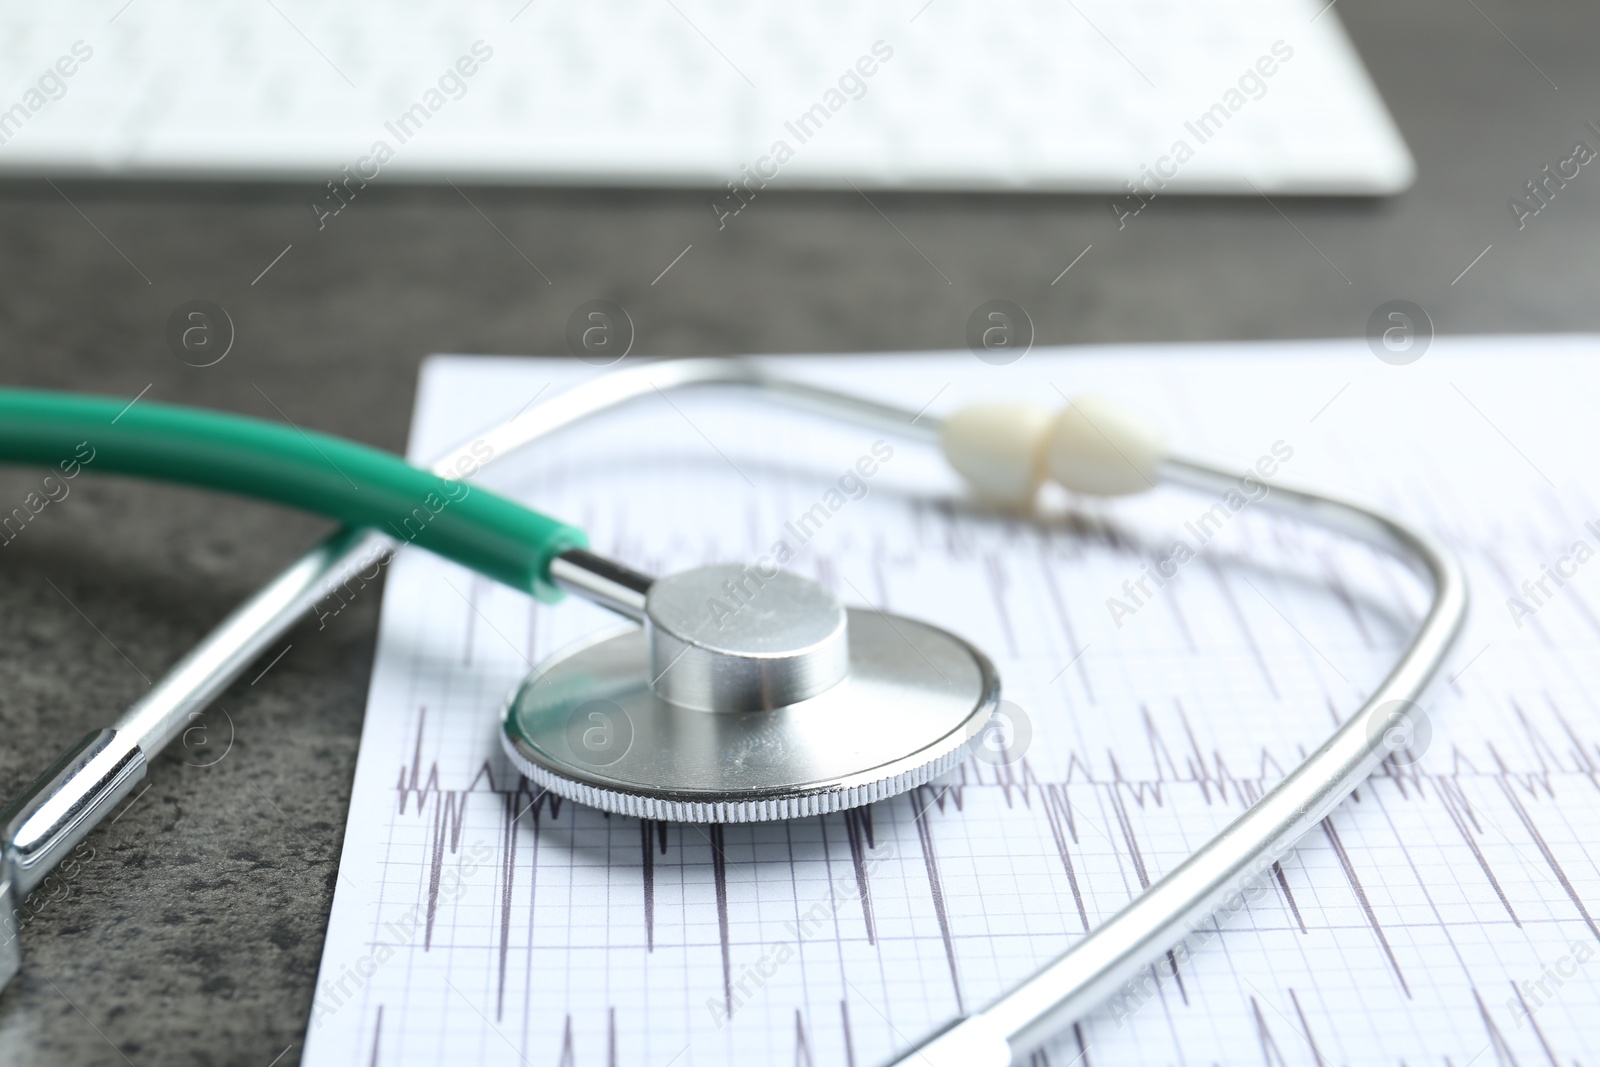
{"points": [[419, 792]]}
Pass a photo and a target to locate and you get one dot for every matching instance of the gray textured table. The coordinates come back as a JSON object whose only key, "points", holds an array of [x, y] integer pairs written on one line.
{"points": [[192, 932]]}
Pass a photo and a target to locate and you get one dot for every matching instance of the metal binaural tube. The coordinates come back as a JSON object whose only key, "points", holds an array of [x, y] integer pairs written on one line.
{"points": [[1106, 961], [156, 719], [64, 803]]}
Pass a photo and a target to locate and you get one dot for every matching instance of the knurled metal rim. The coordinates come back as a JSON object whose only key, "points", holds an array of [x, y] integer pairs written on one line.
{"points": [[796, 805]]}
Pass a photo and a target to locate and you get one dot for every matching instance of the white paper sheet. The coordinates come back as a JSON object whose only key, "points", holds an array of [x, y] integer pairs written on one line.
{"points": [[1443, 915]]}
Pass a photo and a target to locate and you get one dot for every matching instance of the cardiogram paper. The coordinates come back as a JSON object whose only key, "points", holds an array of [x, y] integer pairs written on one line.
{"points": [[1444, 914]]}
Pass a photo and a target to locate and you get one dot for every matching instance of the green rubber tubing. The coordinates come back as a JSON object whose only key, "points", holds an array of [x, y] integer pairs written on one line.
{"points": [[358, 485]]}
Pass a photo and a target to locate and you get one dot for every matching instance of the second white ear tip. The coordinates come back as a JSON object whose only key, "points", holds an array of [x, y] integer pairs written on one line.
{"points": [[1101, 447]]}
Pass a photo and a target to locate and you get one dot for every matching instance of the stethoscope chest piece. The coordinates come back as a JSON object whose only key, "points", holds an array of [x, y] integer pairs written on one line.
{"points": [[748, 696]]}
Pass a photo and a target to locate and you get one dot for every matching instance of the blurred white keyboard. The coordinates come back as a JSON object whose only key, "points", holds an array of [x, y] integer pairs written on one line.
{"points": [[1081, 95]]}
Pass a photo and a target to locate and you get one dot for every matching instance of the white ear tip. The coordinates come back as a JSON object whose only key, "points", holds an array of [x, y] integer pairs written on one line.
{"points": [[1099, 447], [999, 448]]}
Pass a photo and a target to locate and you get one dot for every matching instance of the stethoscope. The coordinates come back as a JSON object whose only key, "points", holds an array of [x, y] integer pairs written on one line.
{"points": [[745, 692]]}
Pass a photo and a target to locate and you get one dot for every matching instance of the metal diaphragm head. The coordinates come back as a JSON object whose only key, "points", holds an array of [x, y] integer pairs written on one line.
{"points": [[749, 696]]}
